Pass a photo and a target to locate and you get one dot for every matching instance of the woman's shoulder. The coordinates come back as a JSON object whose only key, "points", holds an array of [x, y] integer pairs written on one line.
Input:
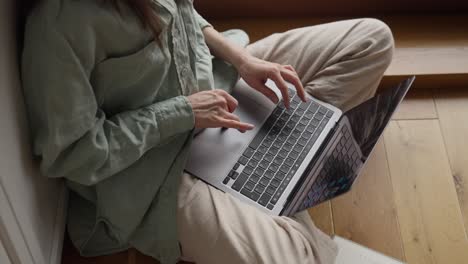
{"points": [[87, 25], [70, 15], [60, 27]]}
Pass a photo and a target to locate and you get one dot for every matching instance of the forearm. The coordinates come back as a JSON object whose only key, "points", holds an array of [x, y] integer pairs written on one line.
{"points": [[223, 48]]}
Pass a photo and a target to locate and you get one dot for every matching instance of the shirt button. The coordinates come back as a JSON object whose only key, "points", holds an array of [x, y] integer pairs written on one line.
{"points": [[184, 71]]}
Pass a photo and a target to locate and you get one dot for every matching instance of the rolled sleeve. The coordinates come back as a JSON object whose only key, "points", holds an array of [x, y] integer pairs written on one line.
{"points": [[174, 116]]}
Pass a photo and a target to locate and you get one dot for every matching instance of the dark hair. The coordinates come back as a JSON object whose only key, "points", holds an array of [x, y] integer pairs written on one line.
{"points": [[142, 9]]}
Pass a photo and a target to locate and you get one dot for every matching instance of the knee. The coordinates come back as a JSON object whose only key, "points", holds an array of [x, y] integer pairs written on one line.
{"points": [[381, 34], [380, 31]]}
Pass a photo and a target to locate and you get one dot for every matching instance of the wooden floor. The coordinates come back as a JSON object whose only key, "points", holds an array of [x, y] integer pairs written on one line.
{"points": [[411, 202]]}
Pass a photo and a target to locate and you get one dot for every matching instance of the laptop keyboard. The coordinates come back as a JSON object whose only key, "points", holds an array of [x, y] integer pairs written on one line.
{"points": [[267, 166], [338, 172]]}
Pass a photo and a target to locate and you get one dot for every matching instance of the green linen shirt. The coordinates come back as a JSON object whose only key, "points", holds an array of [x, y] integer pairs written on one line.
{"points": [[108, 112]]}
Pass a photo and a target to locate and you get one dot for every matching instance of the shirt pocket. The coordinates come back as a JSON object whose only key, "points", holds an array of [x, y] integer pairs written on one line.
{"points": [[131, 81]]}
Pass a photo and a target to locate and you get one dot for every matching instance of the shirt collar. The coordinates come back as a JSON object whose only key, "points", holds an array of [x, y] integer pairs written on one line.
{"points": [[170, 5]]}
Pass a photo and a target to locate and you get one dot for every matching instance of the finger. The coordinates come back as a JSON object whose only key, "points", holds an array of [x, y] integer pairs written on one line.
{"points": [[227, 115], [290, 77], [278, 79], [261, 87], [230, 123], [230, 116], [235, 118], [291, 68], [231, 101]]}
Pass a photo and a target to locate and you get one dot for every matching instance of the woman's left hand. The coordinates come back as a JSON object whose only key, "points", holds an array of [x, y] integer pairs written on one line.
{"points": [[256, 72]]}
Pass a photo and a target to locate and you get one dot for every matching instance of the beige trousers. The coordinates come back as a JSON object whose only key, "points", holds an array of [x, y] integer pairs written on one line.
{"points": [[341, 63]]}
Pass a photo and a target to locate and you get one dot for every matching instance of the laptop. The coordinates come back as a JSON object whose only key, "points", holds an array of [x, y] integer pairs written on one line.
{"points": [[294, 158]]}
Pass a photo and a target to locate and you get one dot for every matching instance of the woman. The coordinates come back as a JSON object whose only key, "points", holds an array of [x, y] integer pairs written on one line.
{"points": [[114, 90]]}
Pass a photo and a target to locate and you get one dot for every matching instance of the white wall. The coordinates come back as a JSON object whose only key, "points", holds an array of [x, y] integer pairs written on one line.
{"points": [[31, 206]]}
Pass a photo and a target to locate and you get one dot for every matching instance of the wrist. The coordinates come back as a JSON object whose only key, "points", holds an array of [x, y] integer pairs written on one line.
{"points": [[241, 59]]}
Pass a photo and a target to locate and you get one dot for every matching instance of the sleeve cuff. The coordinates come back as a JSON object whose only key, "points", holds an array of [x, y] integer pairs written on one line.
{"points": [[174, 116]]}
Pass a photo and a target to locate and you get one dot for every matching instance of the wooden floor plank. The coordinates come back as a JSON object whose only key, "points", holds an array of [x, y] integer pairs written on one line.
{"points": [[322, 217], [367, 214], [429, 60], [418, 104], [426, 201], [452, 106]]}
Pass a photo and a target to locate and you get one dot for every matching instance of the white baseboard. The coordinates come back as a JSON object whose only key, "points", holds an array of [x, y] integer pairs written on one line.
{"points": [[11, 234], [4, 258], [59, 228], [353, 253]]}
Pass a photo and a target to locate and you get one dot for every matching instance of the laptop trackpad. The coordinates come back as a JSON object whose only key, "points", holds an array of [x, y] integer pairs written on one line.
{"points": [[215, 150]]}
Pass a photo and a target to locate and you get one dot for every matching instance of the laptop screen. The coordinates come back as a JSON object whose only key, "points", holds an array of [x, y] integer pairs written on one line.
{"points": [[337, 172], [369, 119]]}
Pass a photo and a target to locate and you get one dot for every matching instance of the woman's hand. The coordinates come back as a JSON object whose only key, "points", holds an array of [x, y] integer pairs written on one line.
{"points": [[256, 72], [214, 109]]}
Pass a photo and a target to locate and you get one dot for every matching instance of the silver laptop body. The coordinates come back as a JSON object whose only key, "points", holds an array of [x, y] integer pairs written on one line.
{"points": [[215, 151]]}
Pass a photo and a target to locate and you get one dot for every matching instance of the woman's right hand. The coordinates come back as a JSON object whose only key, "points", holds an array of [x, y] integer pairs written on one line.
{"points": [[214, 109]]}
